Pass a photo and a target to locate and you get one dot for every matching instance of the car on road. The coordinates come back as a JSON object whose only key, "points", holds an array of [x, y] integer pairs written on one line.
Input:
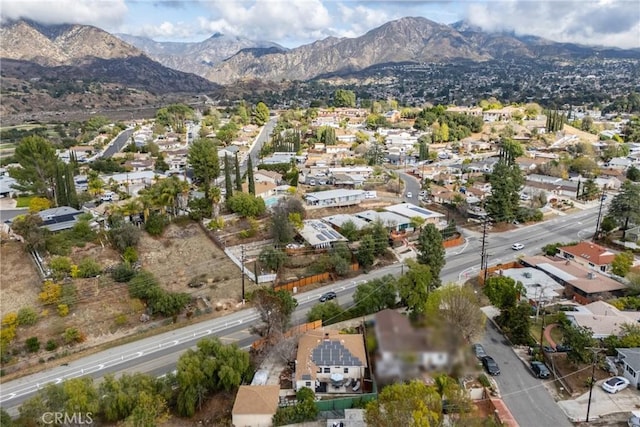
{"points": [[490, 365], [539, 369], [517, 246], [409, 195], [615, 384], [478, 350], [563, 348], [634, 419], [328, 296]]}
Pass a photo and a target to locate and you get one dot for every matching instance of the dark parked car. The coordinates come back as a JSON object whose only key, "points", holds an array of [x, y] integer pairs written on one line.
{"points": [[539, 369], [328, 296], [478, 350], [562, 348], [490, 365]]}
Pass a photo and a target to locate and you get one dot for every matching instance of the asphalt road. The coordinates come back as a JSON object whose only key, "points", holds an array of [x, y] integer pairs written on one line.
{"points": [[411, 185], [261, 139], [158, 354], [526, 396], [118, 144]]}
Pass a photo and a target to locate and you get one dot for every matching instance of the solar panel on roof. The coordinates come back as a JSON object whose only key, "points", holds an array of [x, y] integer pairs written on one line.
{"points": [[321, 237], [422, 211]]}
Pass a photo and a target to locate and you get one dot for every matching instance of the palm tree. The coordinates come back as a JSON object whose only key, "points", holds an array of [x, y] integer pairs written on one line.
{"points": [[215, 196]]}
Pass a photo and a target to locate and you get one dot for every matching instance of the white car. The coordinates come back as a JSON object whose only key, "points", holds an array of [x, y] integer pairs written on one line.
{"points": [[409, 195], [615, 384], [517, 246]]}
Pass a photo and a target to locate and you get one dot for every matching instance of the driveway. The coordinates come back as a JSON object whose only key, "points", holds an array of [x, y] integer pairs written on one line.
{"points": [[526, 396], [602, 403]]}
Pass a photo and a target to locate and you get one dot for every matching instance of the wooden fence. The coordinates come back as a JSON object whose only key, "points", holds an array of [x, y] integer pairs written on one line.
{"points": [[309, 280], [296, 330], [490, 270]]}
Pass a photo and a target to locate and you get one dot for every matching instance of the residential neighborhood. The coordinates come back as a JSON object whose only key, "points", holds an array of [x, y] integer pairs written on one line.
{"points": [[356, 252]]}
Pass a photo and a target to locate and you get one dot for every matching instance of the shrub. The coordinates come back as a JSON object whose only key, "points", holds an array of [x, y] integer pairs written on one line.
{"points": [[121, 320], [72, 336], [89, 267], [58, 244], [63, 310], [27, 316], [10, 320], [130, 254], [60, 267], [32, 344], [216, 224], [69, 295], [124, 236], [123, 273], [155, 224], [51, 345]]}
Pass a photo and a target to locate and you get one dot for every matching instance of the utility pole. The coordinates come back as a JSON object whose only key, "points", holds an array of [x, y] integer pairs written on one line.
{"points": [[595, 235], [595, 351], [242, 270], [483, 254]]}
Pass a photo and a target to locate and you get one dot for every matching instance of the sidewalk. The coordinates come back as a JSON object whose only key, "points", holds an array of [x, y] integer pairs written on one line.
{"points": [[7, 203]]}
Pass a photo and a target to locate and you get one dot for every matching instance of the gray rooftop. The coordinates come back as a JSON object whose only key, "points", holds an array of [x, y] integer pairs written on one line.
{"points": [[387, 218], [410, 210], [333, 353], [631, 356], [319, 234], [340, 219], [334, 194]]}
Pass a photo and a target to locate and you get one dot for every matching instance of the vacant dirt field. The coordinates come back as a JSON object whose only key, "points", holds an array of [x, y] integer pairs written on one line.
{"points": [[103, 310], [19, 280]]}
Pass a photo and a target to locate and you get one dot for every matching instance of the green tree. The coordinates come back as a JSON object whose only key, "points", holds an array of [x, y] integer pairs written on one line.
{"points": [[503, 292], [261, 115], [81, 396], [272, 258], [580, 340], [633, 173], [375, 295], [305, 409], [212, 367], [622, 263], [275, 309], [329, 312], [203, 158], [506, 182], [350, 231], [228, 183], [247, 205], [431, 252], [515, 321], [624, 206], [366, 253], [37, 172], [5, 418], [238, 176], [344, 98], [32, 344], [415, 404], [250, 180], [28, 226], [414, 288]]}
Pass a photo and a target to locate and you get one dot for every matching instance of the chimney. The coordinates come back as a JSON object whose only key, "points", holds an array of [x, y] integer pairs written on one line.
{"points": [[326, 336]]}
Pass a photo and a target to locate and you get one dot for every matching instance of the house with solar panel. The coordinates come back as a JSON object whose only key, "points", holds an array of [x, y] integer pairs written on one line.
{"points": [[320, 235], [331, 362], [409, 210], [60, 218]]}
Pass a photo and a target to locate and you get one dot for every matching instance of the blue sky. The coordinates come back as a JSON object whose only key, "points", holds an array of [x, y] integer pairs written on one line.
{"points": [[295, 22]]}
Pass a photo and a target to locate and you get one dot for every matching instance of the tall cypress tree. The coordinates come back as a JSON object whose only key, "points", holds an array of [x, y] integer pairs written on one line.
{"points": [[238, 176], [250, 180], [228, 185], [61, 193], [72, 195]]}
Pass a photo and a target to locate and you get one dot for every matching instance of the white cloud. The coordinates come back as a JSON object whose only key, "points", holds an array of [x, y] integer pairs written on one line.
{"points": [[91, 12], [165, 31], [604, 22]]}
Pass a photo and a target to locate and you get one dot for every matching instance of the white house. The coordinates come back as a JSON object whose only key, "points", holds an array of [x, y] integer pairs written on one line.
{"points": [[330, 362], [630, 358], [335, 198]]}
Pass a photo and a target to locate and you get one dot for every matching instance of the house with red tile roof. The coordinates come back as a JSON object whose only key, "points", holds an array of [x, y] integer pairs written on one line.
{"points": [[588, 254]]}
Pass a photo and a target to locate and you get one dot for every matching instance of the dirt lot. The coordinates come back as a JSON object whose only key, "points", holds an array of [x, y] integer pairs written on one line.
{"points": [[19, 280], [104, 311]]}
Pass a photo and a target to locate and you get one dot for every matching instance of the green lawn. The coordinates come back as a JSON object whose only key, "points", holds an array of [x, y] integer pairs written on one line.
{"points": [[536, 328]]}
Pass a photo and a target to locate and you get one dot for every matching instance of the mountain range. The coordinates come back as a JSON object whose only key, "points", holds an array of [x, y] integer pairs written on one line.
{"points": [[406, 40], [48, 65]]}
